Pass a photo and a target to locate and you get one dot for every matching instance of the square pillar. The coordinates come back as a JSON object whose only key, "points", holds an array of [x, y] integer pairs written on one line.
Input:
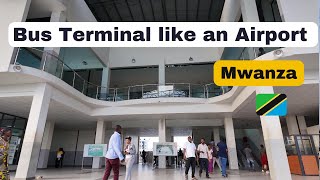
{"points": [[10, 11], [162, 73], [249, 11], [30, 150], [292, 125], [49, 61], [46, 145], [231, 143], [216, 135], [274, 143], [162, 138], [105, 83], [302, 124], [231, 11], [100, 136]]}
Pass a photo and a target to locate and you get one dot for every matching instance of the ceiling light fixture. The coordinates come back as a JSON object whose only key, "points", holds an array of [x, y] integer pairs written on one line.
{"points": [[133, 60], [84, 63], [278, 53], [190, 59]]}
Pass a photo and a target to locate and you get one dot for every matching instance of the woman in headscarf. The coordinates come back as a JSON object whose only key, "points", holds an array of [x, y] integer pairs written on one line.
{"points": [[4, 148]]}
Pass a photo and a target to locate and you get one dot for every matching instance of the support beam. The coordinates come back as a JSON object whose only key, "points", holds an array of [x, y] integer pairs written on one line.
{"points": [[216, 135], [162, 73], [30, 150], [10, 11], [100, 135], [49, 60], [231, 143], [231, 11], [302, 124], [46, 145], [274, 143], [249, 11], [105, 82], [162, 138], [292, 125]]}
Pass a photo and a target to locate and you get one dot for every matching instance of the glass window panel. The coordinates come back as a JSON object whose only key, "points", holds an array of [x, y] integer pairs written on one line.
{"points": [[20, 123]]}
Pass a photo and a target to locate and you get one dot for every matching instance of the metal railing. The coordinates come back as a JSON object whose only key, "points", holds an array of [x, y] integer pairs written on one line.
{"points": [[52, 64]]}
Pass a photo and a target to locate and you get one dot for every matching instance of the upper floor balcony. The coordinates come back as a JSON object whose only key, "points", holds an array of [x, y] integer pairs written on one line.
{"points": [[55, 65]]}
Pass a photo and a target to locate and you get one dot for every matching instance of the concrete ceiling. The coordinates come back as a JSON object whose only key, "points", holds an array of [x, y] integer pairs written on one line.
{"points": [[156, 10]]}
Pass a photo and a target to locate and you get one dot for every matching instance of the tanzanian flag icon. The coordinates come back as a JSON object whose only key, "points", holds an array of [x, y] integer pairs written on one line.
{"points": [[271, 104]]}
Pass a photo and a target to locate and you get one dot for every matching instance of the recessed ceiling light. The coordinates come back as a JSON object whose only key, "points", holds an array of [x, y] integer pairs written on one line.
{"points": [[133, 60], [190, 59], [84, 63]]}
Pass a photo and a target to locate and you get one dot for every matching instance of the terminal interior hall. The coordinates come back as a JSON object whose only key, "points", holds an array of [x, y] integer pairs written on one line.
{"points": [[66, 97]]}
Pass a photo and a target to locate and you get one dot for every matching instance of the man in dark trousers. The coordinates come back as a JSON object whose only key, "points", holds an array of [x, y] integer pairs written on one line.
{"points": [[114, 155], [190, 155]]}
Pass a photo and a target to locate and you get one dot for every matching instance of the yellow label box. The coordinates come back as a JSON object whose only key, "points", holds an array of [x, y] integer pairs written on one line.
{"points": [[258, 73]]}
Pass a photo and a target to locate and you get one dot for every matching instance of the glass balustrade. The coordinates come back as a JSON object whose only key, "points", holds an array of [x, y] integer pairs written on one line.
{"points": [[45, 61]]}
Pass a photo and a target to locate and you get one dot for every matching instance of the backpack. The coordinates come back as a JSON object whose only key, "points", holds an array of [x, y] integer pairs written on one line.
{"points": [[214, 152]]}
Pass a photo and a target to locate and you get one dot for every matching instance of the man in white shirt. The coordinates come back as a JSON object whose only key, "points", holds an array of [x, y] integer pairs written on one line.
{"points": [[189, 154], [114, 155], [203, 157]]}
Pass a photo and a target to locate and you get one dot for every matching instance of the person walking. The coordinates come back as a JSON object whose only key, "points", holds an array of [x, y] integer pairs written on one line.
{"points": [[190, 156], [223, 157], [264, 159], [4, 149], [130, 152], [210, 166], [215, 158], [203, 157], [114, 155], [143, 155], [250, 160]]}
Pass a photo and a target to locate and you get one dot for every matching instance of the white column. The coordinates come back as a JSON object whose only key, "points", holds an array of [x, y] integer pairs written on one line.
{"points": [[100, 136], [249, 14], [10, 11], [162, 138], [231, 143], [302, 124], [105, 81], [274, 143], [231, 11], [49, 61], [29, 156], [216, 135], [46, 145], [292, 125], [162, 73], [249, 11]]}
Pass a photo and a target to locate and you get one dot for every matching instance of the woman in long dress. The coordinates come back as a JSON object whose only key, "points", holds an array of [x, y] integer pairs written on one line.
{"points": [[4, 148], [130, 152]]}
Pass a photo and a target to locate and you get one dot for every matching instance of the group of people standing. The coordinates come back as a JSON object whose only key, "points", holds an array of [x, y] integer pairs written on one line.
{"points": [[206, 156]]}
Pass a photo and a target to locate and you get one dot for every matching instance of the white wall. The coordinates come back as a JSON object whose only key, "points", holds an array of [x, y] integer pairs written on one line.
{"points": [[299, 10], [122, 57], [10, 11]]}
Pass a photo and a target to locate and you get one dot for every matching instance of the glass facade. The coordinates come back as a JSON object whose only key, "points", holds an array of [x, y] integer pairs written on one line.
{"points": [[18, 125]]}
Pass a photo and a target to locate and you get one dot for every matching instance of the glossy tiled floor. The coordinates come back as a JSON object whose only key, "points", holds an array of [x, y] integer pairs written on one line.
{"points": [[146, 172]]}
